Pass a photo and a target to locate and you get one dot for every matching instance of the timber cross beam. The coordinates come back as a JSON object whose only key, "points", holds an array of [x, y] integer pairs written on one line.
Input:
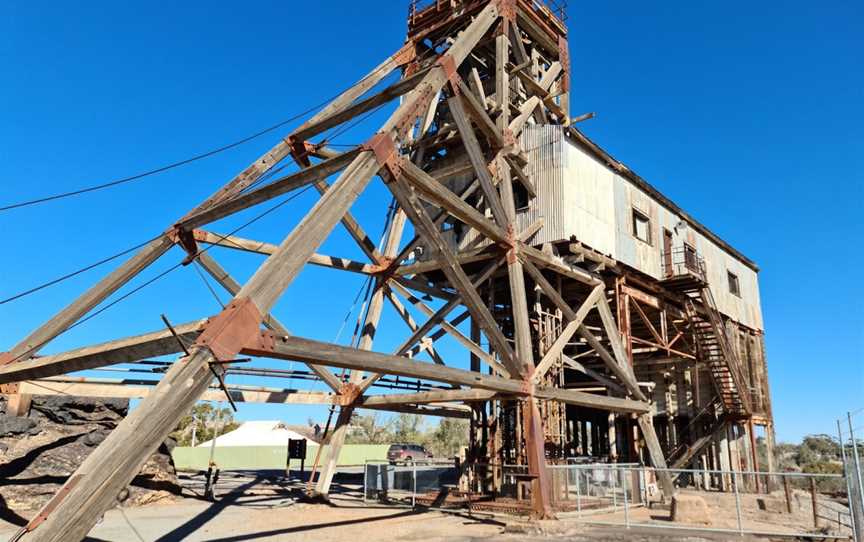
{"points": [[451, 156]]}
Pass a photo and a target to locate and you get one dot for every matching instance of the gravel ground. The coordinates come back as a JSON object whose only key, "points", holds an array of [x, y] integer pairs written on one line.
{"points": [[250, 507]]}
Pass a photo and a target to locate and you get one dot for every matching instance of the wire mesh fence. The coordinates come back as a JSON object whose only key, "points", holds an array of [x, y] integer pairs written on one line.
{"points": [[780, 503], [406, 481]]}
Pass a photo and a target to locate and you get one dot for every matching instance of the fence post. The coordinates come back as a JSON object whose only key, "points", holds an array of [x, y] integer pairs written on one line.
{"points": [[857, 460], [814, 501], [578, 493], [414, 492], [788, 493], [626, 508], [643, 486], [737, 502], [614, 488], [566, 484], [365, 480], [853, 515]]}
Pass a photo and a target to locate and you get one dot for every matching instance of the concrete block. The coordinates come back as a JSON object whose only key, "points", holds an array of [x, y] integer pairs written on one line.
{"points": [[771, 504], [690, 509]]}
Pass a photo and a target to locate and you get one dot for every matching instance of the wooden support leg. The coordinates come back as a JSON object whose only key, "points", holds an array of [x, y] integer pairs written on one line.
{"points": [[18, 404], [541, 486], [373, 316], [94, 486], [655, 452], [97, 482]]}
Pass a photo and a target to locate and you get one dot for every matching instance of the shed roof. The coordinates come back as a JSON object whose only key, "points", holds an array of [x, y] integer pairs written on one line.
{"points": [[258, 433]]}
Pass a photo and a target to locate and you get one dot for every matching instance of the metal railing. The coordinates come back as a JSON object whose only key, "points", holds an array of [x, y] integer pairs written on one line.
{"points": [[683, 261], [784, 504], [555, 8], [404, 481], [798, 504]]}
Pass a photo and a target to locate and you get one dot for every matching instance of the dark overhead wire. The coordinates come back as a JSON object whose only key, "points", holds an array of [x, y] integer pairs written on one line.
{"points": [[204, 155], [266, 176], [77, 272], [163, 273], [159, 169], [180, 163]]}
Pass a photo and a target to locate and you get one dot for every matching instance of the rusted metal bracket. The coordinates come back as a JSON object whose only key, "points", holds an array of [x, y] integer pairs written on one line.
{"points": [[528, 386], [386, 154], [451, 71], [348, 394], [229, 331], [300, 150], [217, 362], [509, 139], [46, 511], [186, 240], [507, 9], [417, 110], [9, 389], [512, 245]]}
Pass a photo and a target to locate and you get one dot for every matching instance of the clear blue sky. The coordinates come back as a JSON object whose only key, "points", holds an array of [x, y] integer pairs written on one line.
{"points": [[747, 114]]}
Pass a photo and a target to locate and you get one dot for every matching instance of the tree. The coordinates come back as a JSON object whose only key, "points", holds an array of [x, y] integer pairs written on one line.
{"points": [[448, 439], [202, 424], [408, 428], [368, 430]]}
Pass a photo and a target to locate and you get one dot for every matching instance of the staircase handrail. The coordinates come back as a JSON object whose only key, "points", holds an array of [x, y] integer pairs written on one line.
{"points": [[729, 354]]}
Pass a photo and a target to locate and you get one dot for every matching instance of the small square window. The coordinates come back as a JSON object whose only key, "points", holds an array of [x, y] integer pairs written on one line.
{"points": [[641, 226], [734, 287]]}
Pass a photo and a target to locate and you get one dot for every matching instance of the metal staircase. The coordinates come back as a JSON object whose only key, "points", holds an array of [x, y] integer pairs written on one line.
{"points": [[707, 423], [684, 272], [716, 350]]}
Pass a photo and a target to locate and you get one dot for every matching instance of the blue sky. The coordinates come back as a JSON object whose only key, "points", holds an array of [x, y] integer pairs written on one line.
{"points": [[748, 115]]}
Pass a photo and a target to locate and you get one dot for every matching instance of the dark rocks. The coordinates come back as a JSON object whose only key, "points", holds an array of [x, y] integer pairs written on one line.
{"points": [[38, 453], [11, 426], [70, 410]]}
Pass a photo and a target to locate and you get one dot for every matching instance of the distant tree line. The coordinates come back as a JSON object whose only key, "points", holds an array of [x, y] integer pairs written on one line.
{"points": [[446, 439], [203, 423], [816, 454]]}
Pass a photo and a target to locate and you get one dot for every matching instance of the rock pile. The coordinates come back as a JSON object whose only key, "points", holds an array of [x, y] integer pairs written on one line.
{"points": [[39, 452]]}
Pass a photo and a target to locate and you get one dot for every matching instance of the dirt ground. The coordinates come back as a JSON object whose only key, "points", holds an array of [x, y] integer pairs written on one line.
{"points": [[267, 508], [195, 521]]}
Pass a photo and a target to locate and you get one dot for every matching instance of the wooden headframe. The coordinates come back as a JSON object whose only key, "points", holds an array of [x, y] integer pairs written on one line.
{"points": [[463, 102]]}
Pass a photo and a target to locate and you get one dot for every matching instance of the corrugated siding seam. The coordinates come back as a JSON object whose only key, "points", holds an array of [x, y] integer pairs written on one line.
{"points": [[544, 146]]}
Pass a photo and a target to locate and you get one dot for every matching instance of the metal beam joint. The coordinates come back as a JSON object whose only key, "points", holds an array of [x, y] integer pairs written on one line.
{"points": [[228, 332], [386, 154]]}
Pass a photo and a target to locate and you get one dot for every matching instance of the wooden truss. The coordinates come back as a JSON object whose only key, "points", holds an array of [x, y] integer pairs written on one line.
{"points": [[450, 156]]}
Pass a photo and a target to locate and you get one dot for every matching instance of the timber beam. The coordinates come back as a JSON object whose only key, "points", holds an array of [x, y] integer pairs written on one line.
{"points": [[260, 247], [332, 355], [116, 388], [129, 349]]}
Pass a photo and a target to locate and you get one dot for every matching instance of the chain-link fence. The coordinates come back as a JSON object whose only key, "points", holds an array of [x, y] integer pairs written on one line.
{"points": [[851, 454], [406, 481], [765, 503]]}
